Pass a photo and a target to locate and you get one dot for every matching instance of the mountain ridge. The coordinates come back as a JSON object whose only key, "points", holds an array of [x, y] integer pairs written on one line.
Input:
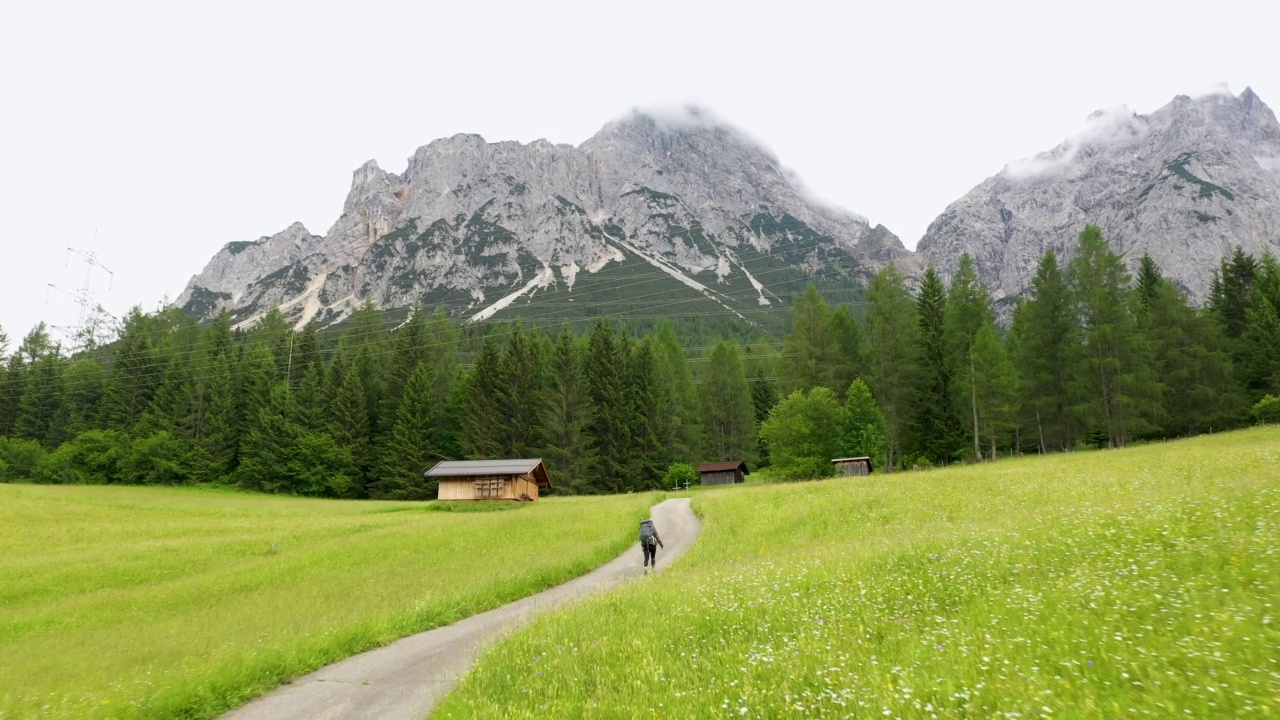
{"points": [[493, 223]]}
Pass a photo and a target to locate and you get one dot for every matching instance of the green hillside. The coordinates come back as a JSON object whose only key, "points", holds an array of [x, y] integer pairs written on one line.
{"points": [[1138, 582], [160, 603]]}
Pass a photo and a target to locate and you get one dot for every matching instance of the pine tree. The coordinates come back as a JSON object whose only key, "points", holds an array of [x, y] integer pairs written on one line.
{"points": [[727, 409], [412, 448], [810, 348], [968, 310], [892, 332], [935, 427], [567, 449], [1049, 351]]}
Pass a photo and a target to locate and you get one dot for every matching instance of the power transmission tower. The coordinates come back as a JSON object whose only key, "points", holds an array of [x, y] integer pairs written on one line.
{"points": [[95, 326]]}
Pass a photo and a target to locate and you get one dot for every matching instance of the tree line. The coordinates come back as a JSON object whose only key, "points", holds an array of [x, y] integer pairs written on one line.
{"points": [[1090, 356]]}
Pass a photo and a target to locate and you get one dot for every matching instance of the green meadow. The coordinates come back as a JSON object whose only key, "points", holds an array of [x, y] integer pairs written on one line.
{"points": [[146, 602], [1142, 582]]}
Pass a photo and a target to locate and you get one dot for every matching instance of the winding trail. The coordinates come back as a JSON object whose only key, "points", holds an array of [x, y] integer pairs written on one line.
{"points": [[409, 677]]}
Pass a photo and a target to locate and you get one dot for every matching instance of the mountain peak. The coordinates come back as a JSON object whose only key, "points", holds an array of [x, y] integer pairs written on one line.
{"points": [[1185, 184]]}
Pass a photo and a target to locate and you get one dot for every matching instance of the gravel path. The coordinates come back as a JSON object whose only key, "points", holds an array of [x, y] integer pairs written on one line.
{"points": [[407, 678]]}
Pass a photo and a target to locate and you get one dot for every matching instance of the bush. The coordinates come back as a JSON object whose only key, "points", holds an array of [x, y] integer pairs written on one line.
{"points": [[93, 457], [158, 459], [802, 432], [680, 475], [18, 458], [1267, 410]]}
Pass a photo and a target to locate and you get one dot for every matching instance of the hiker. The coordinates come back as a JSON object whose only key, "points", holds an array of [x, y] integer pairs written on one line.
{"points": [[649, 542]]}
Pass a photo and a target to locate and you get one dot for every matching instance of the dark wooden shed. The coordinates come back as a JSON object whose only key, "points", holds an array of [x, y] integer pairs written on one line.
{"points": [[723, 473], [490, 479], [853, 465]]}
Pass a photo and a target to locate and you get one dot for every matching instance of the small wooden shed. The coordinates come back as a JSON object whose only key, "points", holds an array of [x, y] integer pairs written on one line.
{"points": [[723, 473], [518, 480], [853, 465]]}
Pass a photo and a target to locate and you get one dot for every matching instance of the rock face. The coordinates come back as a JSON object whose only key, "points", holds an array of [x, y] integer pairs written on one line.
{"points": [[487, 227], [1185, 184]]}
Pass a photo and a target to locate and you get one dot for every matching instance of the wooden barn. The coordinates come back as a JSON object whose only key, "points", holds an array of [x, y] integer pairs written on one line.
{"points": [[518, 480], [853, 465], [723, 473]]}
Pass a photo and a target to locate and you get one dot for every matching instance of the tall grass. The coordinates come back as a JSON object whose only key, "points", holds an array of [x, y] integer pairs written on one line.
{"points": [[143, 602], [1143, 582]]}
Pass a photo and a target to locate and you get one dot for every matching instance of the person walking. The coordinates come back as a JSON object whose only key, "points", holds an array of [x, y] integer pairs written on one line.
{"points": [[649, 543]]}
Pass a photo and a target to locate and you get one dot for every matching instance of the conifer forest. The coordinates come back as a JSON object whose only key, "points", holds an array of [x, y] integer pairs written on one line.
{"points": [[1089, 356]]}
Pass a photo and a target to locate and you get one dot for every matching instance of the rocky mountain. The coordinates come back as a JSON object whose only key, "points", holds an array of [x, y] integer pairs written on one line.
{"points": [[1185, 184], [649, 217]]}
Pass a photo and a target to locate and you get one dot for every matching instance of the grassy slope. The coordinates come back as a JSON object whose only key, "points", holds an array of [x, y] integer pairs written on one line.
{"points": [[144, 602], [1135, 582]]}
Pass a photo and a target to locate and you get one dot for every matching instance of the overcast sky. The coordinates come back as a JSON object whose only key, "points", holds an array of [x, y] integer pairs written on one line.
{"points": [[169, 131]]}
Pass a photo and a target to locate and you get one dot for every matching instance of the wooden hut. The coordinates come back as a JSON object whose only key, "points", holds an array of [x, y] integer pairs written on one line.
{"points": [[490, 479], [723, 473], [853, 465]]}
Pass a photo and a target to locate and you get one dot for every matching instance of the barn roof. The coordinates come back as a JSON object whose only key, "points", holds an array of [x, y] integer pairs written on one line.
{"points": [[722, 466], [476, 468], [862, 458]]}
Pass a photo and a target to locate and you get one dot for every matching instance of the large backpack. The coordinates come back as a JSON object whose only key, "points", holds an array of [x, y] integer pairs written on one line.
{"points": [[646, 532]]}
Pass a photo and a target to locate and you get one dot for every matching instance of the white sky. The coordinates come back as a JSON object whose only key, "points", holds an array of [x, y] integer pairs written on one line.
{"points": [[171, 131]]}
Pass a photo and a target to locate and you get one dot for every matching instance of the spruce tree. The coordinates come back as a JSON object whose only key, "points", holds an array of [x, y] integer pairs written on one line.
{"points": [[349, 419], [412, 448], [610, 427], [935, 426], [764, 396], [568, 452], [81, 394], [38, 409], [892, 333], [1188, 358], [133, 377], [649, 420], [521, 388], [482, 421], [727, 410], [849, 350], [1116, 381], [268, 442], [1261, 338], [1049, 351], [810, 349], [675, 378], [862, 425], [995, 391], [968, 310]]}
